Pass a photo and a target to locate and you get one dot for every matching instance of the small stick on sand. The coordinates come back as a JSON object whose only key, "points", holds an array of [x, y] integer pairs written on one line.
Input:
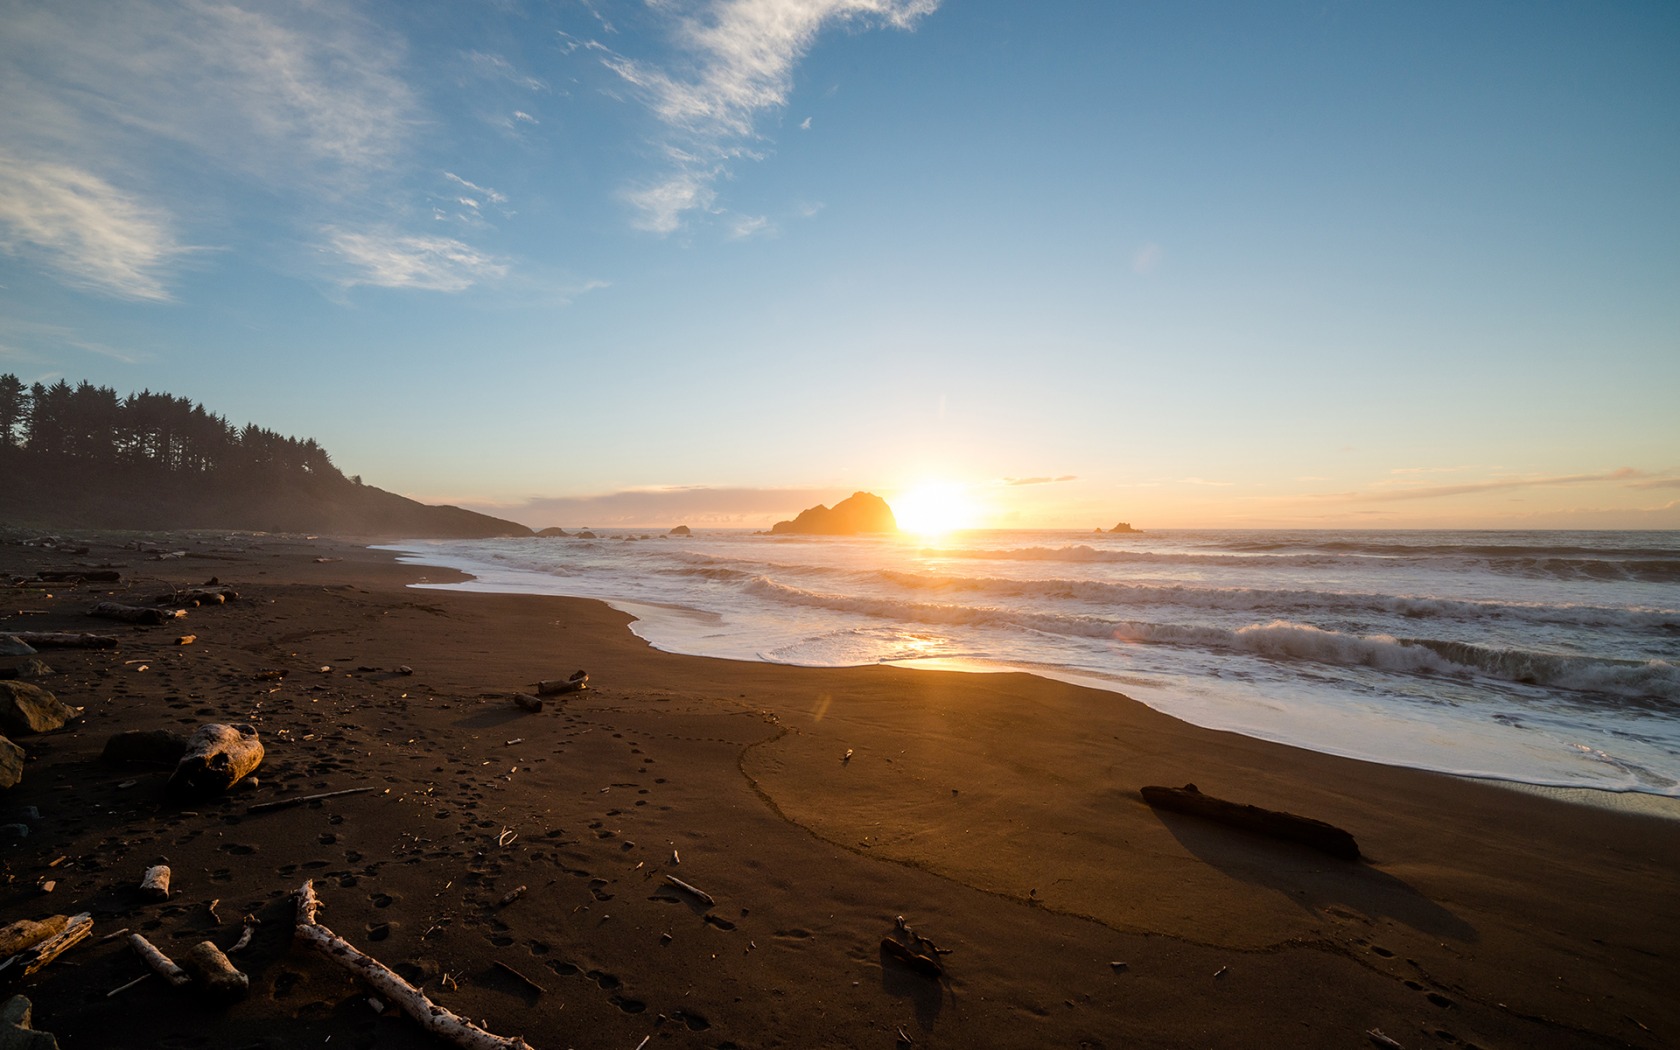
{"points": [[505, 968], [511, 896], [411, 1000], [699, 894], [287, 803], [245, 935]]}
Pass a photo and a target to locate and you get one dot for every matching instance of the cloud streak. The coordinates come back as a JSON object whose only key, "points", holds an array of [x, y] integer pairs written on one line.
{"points": [[387, 259], [734, 63], [664, 507], [84, 228]]}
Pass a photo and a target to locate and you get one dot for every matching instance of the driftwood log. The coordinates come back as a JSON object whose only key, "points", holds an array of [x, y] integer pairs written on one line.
{"points": [[157, 962], [211, 970], [1326, 838], [64, 640], [555, 686], [432, 1017], [527, 702], [75, 575], [194, 597], [154, 885], [217, 757], [76, 929], [26, 933], [133, 613]]}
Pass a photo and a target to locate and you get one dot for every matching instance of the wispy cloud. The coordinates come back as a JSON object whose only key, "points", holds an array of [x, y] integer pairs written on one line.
{"points": [[387, 259], [1040, 481], [1637, 478], [84, 228], [734, 63]]}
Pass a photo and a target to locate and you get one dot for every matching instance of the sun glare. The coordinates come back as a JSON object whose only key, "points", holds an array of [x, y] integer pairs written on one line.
{"points": [[934, 507]]}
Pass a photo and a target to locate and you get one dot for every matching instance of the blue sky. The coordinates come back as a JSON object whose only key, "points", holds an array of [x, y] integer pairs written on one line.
{"points": [[652, 261]]}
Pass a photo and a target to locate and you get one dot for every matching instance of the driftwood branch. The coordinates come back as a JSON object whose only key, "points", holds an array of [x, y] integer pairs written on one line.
{"points": [[1326, 838], [287, 803], [76, 929], [133, 613], [157, 962], [217, 757], [695, 891], [411, 1000], [64, 640]]}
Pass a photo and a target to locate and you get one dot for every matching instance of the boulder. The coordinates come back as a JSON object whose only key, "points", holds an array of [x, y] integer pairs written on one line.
{"points": [[859, 513], [11, 763], [17, 1027], [33, 667], [26, 708], [680, 530], [11, 646]]}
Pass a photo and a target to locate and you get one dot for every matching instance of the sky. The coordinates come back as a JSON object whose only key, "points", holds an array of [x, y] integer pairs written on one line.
{"points": [[1314, 265]]}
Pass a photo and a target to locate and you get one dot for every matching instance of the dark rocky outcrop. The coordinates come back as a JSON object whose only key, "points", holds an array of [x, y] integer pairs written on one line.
{"points": [[26, 708], [1124, 526], [859, 513], [680, 530], [552, 531]]}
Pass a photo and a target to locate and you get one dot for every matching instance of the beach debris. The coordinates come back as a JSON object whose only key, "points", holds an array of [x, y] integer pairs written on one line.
{"points": [[511, 896], [217, 756], [527, 702], [1119, 967], [245, 935], [211, 970], [17, 1031], [298, 800], [578, 682], [146, 614], [26, 933], [156, 962], [194, 597], [78, 575], [26, 708], [505, 968], [1376, 1036], [186, 639], [914, 950], [507, 836], [76, 929], [694, 891], [157, 747], [64, 640], [1326, 838], [432, 1017], [155, 883], [847, 757], [1222, 971]]}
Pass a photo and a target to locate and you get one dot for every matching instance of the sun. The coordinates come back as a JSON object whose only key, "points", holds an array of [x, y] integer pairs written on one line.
{"points": [[934, 507]]}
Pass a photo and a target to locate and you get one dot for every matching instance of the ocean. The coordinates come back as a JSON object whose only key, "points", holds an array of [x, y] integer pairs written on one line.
{"points": [[1543, 658]]}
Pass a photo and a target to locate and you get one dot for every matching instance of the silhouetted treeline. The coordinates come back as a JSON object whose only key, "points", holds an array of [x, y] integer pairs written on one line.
{"points": [[93, 424]]}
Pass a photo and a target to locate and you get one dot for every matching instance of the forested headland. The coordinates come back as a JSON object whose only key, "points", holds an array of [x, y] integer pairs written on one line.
{"points": [[84, 457]]}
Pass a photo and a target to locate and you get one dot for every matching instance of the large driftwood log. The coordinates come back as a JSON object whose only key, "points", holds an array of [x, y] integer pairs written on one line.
{"points": [[1326, 838], [76, 929], [432, 1017], [64, 640], [133, 613], [217, 757], [26, 933], [77, 575]]}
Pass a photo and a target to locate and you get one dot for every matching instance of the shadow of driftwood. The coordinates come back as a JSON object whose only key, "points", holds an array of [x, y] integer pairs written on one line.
{"points": [[1311, 879], [926, 995]]}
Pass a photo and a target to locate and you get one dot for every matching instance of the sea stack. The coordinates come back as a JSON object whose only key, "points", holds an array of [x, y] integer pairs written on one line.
{"points": [[859, 513]]}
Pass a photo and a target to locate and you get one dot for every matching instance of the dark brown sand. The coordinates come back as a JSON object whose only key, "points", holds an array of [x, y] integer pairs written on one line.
{"points": [[998, 814]]}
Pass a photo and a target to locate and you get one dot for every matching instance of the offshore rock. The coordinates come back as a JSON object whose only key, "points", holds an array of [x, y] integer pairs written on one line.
{"points": [[861, 512], [680, 530]]}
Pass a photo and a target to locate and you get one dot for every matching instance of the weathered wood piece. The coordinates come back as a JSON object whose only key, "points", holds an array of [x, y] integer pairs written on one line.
{"points": [[158, 747], [157, 962], [217, 757], [695, 891], [195, 597], [154, 885], [528, 702], [287, 803], [31, 959], [26, 933], [133, 613], [79, 575], [64, 640], [212, 971], [17, 1027], [926, 965], [553, 687], [1326, 838], [411, 1000]]}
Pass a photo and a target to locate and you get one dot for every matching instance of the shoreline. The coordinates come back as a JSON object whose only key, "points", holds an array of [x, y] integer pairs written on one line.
{"points": [[1620, 799], [998, 813]]}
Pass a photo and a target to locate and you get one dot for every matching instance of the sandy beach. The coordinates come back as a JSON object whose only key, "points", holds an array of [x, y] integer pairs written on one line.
{"points": [[999, 815]]}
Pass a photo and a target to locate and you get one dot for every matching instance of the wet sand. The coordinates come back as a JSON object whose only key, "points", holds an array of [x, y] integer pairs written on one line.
{"points": [[998, 814]]}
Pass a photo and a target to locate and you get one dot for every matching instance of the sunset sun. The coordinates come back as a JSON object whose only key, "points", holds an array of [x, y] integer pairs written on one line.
{"points": [[935, 507]]}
